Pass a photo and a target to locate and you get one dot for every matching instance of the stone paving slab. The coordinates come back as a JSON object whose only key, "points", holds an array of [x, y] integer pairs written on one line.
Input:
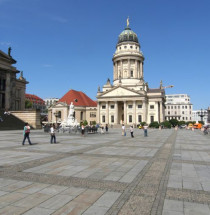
{"points": [[165, 173]]}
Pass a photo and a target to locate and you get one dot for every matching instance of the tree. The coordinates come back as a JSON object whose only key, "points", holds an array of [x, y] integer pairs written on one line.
{"points": [[174, 122], [166, 124], [28, 104], [85, 122], [154, 125]]}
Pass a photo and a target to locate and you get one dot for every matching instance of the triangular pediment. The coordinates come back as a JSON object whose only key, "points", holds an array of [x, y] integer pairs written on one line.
{"points": [[120, 92]]}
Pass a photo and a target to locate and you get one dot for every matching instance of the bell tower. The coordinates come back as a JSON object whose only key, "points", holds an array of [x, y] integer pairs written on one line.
{"points": [[128, 59]]}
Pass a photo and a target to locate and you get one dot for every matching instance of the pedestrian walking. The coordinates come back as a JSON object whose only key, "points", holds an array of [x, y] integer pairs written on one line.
{"points": [[107, 128], [52, 134], [26, 132], [123, 130], [83, 130], [131, 131], [145, 130]]}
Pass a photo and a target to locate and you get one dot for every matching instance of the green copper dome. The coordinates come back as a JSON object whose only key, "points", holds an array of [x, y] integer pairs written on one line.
{"points": [[127, 35]]}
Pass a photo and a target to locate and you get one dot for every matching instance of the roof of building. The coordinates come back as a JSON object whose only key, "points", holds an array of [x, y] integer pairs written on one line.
{"points": [[78, 98], [128, 36], [34, 98]]}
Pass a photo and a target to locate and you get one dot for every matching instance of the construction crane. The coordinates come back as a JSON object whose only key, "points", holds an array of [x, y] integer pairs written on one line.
{"points": [[162, 87]]}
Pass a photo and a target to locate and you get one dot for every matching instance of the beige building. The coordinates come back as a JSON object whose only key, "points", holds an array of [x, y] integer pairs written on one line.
{"points": [[12, 89], [85, 108], [129, 99]]}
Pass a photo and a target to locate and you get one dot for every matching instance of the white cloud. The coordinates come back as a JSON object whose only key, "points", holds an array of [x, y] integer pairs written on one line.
{"points": [[59, 19], [47, 65], [4, 43]]}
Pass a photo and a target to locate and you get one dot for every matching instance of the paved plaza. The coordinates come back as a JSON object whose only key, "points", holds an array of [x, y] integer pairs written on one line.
{"points": [[166, 173]]}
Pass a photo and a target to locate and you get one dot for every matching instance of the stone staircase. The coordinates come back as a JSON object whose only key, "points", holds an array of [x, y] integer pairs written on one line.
{"points": [[10, 122]]}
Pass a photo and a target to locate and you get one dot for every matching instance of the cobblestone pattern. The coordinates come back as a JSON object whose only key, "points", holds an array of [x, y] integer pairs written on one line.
{"points": [[140, 196]]}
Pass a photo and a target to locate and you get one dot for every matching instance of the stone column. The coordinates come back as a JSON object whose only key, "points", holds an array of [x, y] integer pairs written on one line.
{"points": [[121, 68], [116, 113], [134, 112], [98, 113], [141, 70], [129, 68], [144, 112], [136, 69], [116, 71], [8, 92], [125, 112], [161, 112], [107, 112]]}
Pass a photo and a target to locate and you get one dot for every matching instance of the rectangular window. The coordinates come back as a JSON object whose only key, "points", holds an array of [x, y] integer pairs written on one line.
{"points": [[112, 119], [103, 119], [185, 107], [182, 107], [168, 112], [168, 107], [130, 106], [112, 106], [178, 107], [151, 118], [139, 106], [103, 106], [171, 107], [139, 118], [130, 118], [174, 107], [182, 112], [152, 107], [131, 74], [92, 114]]}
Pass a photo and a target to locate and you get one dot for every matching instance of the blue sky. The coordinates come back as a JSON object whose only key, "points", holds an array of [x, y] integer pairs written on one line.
{"points": [[68, 44]]}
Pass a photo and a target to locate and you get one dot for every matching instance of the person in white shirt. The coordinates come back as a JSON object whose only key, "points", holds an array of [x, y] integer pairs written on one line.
{"points": [[145, 130], [131, 131], [123, 130], [52, 133]]}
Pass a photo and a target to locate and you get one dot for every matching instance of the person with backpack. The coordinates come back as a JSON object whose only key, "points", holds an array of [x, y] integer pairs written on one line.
{"points": [[26, 132]]}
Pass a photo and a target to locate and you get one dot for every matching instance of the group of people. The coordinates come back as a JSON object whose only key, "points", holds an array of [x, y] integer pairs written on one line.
{"points": [[27, 130], [145, 127]]}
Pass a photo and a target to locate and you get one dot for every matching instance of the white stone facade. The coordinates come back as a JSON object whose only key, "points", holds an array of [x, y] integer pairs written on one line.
{"points": [[50, 101], [129, 100], [196, 116], [178, 106]]}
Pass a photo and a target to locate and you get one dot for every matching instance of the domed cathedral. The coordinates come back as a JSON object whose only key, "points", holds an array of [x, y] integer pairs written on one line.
{"points": [[129, 100]]}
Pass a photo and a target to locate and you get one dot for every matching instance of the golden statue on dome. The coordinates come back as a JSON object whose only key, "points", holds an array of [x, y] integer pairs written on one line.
{"points": [[128, 22]]}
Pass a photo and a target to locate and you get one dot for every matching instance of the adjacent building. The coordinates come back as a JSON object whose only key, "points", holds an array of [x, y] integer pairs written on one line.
{"points": [[12, 89], [178, 106], [85, 108], [37, 102], [50, 101], [129, 99]]}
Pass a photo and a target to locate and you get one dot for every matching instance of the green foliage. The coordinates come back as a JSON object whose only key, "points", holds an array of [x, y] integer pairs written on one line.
{"points": [[201, 122], [85, 122], [28, 104], [181, 123], [143, 123], [166, 124], [154, 125], [94, 123], [174, 122]]}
